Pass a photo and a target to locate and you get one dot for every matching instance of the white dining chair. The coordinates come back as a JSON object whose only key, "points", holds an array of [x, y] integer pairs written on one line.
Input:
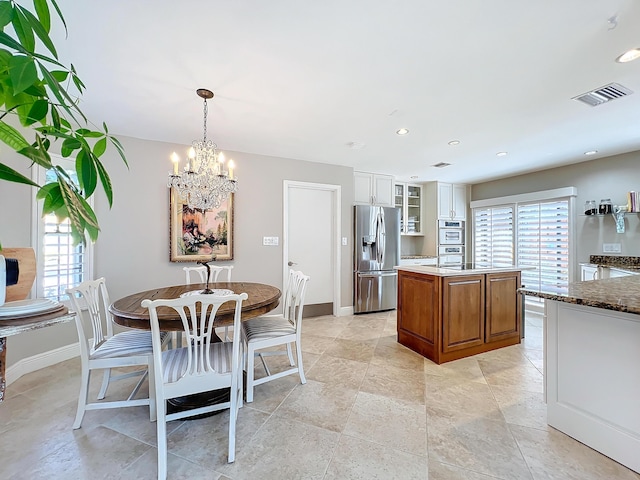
{"points": [[217, 273], [105, 350], [277, 330], [204, 364]]}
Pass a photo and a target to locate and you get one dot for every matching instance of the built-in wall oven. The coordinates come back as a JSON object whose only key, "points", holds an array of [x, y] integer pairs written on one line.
{"points": [[451, 232], [450, 243], [450, 255]]}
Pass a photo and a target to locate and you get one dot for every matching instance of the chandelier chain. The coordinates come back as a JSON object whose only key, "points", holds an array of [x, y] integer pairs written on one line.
{"points": [[206, 110]]}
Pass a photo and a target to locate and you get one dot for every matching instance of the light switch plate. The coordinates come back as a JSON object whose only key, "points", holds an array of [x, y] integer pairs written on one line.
{"points": [[611, 248], [344, 240], [270, 241]]}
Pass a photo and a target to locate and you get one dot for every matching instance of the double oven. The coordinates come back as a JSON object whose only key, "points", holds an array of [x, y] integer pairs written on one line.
{"points": [[451, 243]]}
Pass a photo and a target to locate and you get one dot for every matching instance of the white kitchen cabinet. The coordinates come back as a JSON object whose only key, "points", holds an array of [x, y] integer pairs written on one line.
{"points": [[588, 272], [408, 198], [452, 201], [597, 272], [373, 189]]}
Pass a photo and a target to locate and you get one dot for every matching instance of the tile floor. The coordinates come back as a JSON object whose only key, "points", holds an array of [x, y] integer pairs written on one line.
{"points": [[371, 409]]}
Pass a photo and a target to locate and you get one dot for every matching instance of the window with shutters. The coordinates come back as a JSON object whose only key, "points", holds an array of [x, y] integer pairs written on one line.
{"points": [[60, 264], [532, 232]]}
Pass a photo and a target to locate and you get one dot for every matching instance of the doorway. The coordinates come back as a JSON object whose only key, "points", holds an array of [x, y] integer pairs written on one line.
{"points": [[311, 240]]}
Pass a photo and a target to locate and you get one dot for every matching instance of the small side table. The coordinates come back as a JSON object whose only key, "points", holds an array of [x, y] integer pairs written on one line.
{"points": [[13, 326]]}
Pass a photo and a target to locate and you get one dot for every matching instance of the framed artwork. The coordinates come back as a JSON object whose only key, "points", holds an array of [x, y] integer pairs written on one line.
{"points": [[200, 235]]}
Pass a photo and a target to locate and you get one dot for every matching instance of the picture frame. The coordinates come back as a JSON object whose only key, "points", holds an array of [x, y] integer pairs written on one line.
{"points": [[200, 235]]}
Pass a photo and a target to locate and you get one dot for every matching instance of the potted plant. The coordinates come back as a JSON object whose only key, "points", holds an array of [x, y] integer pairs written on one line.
{"points": [[42, 93]]}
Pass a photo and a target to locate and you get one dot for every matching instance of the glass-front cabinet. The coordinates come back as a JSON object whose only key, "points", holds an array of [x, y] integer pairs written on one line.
{"points": [[408, 198]]}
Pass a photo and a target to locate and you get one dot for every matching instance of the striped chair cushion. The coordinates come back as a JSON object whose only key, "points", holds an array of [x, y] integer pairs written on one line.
{"points": [[267, 327], [174, 362], [131, 342]]}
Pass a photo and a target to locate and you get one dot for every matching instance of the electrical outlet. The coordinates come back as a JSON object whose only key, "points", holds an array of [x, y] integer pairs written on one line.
{"points": [[611, 248], [344, 240], [270, 241]]}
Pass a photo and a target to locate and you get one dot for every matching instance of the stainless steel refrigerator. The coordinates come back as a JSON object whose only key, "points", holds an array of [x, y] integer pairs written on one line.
{"points": [[377, 251]]}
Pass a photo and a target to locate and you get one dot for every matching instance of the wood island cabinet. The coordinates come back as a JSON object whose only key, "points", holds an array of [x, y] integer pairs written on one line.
{"points": [[445, 318]]}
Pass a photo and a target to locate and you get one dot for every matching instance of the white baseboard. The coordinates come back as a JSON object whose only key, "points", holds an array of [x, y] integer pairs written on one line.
{"points": [[42, 360], [345, 311]]}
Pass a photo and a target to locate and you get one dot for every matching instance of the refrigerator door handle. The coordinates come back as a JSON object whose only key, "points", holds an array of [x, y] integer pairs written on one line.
{"points": [[380, 234]]}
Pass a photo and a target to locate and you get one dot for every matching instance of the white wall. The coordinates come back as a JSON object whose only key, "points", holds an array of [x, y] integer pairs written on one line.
{"points": [[610, 177], [132, 251]]}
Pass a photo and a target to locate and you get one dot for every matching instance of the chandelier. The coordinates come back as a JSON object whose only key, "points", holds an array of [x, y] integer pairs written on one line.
{"points": [[206, 180]]}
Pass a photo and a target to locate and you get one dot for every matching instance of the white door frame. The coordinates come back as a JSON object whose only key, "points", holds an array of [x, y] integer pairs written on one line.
{"points": [[336, 203]]}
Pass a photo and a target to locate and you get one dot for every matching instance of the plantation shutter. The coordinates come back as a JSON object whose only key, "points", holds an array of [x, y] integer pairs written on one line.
{"points": [[543, 243], [493, 236]]}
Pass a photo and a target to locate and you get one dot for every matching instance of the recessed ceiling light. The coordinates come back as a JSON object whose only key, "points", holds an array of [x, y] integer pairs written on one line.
{"points": [[629, 55], [402, 131], [414, 176], [355, 145], [591, 152], [454, 142], [441, 165], [501, 154]]}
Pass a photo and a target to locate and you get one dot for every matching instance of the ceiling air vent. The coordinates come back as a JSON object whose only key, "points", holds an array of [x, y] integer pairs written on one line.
{"points": [[441, 165], [603, 94]]}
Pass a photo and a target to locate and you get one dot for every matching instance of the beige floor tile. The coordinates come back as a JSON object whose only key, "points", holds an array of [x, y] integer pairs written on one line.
{"points": [[513, 354], [458, 399], [321, 404], [361, 351], [394, 382], [554, 455], [316, 344], [480, 445], [205, 441], [360, 332], [324, 326], [358, 459], [442, 471], [338, 371], [520, 407], [398, 356], [465, 368], [518, 376], [97, 455], [146, 468], [268, 396], [389, 422], [284, 449], [536, 357]]}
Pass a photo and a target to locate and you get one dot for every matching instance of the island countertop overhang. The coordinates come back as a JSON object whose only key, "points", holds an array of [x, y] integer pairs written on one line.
{"points": [[619, 294], [451, 272]]}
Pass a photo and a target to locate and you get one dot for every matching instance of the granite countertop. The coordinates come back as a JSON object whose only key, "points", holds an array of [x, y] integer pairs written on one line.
{"points": [[620, 294], [621, 262], [412, 257], [452, 272]]}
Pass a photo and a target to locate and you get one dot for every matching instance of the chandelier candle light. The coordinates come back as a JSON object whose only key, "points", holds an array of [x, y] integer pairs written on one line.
{"points": [[206, 180]]}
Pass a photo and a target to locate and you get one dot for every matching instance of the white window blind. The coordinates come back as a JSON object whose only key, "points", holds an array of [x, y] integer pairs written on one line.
{"points": [[493, 236], [543, 243], [61, 265]]}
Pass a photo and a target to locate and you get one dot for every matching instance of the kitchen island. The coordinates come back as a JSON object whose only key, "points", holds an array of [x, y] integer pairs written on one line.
{"points": [[592, 365], [445, 314]]}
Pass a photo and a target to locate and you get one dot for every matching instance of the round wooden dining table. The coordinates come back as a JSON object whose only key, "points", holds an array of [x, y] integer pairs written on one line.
{"points": [[128, 312]]}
